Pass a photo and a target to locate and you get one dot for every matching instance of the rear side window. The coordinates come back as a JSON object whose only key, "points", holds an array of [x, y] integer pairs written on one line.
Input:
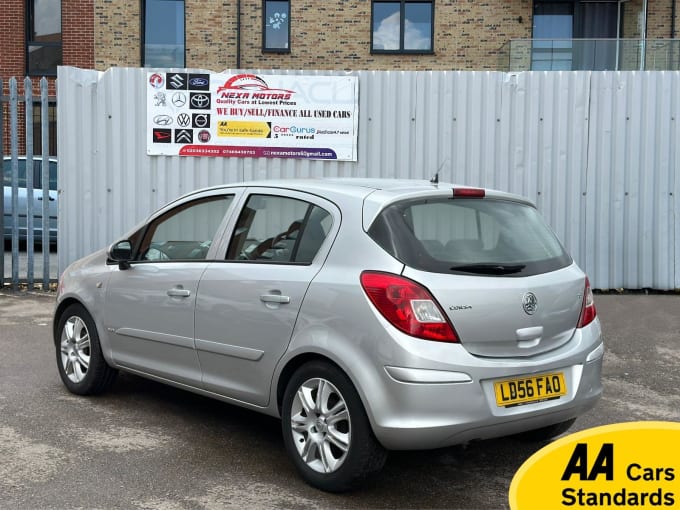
{"points": [[469, 236]]}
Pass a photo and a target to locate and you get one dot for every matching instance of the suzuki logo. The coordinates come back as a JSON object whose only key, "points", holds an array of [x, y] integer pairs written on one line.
{"points": [[530, 303], [176, 81], [183, 120]]}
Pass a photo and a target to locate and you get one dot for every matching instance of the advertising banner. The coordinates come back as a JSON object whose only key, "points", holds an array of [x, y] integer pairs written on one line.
{"points": [[245, 115]]}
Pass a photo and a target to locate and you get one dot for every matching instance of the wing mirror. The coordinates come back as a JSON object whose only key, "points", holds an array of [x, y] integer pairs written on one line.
{"points": [[121, 252]]}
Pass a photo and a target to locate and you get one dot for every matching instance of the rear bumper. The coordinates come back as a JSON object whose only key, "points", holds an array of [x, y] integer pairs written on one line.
{"points": [[407, 414]]}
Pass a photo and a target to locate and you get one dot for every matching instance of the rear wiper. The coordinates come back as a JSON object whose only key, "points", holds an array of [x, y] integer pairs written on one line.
{"points": [[489, 268]]}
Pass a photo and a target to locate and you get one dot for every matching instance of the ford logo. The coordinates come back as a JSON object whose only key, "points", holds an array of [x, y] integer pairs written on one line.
{"points": [[198, 82], [530, 303]]}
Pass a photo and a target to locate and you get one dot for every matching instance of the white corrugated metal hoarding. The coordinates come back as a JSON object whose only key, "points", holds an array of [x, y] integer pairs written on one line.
{"points": [[597, 151]]}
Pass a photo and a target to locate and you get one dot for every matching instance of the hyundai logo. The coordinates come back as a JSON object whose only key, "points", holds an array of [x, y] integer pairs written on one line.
{"points": [[198, 82], [162, 120], [530, 303], [200, 101], [179, 99]]}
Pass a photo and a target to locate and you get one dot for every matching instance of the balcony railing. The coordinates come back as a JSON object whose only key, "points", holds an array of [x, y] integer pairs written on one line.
{"points": [[590, 54]]}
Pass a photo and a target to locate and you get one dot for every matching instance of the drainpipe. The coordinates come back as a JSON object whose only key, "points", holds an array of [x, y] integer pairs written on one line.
{"points": [[238, 34], [673, 11], [643, 45]]}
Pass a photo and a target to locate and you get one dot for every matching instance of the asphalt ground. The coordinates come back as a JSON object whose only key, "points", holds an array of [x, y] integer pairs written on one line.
{"points": [[147, 446]]}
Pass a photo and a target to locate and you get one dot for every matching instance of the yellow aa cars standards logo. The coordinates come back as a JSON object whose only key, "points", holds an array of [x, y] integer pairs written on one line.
{"points": [[626, 465]]}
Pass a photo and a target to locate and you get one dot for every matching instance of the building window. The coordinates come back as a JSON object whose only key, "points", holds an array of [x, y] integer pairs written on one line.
{"points": [[276, 26], [405, 26], [163, 33], [43, 37]]}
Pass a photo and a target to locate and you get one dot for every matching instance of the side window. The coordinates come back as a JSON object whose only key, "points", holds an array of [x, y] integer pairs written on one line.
{"points": [[279, 229], [186, 232]]}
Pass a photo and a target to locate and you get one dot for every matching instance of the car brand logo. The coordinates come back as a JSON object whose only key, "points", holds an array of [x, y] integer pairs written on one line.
{"points": [[530, 303], [184, 136], [177, 81], [200, 101], [179, 99], [199, 81], [159, 99], [162, 135], [201, 120], [156, 80], [162, 120], [204, 136], [183, 119]]}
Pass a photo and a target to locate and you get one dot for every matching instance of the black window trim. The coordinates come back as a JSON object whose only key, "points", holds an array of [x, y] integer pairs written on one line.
{"points": [[30, 18], [402, 20], [265, 48], [142, 36]]}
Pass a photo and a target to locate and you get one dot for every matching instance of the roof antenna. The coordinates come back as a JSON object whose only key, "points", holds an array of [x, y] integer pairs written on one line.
{"points": [[435, 179]]}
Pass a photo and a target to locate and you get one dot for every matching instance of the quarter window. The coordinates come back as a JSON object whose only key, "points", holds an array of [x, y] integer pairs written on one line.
{"points": [[164, 33], [279, 229], [186, 232], [276, 26], [404, 26], [43, 37]]}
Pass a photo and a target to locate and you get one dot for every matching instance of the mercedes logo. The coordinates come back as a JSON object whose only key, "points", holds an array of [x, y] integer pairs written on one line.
{"points": [[183, 120], [200, 100], [530, 303], [179, 99], [162, 120]]}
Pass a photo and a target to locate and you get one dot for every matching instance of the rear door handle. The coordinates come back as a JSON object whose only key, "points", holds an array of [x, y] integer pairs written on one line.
{"points": [[275, 298], [178, 293]]}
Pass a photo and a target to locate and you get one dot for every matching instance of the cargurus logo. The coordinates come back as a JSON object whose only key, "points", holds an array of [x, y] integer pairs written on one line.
{"points": [[295, 130]]}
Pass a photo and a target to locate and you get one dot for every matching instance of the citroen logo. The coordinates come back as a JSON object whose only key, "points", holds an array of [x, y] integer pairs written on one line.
{"points": [[530, 303]]}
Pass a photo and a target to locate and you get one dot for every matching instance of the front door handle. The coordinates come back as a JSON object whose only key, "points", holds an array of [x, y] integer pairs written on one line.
{"points": [[275, 298], [177, 292]]}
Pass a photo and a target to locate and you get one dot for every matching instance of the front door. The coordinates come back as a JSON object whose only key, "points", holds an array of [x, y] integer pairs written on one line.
{"points": [[150, 305]]}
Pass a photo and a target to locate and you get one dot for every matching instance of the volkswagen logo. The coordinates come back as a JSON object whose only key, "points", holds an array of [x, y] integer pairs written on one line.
{"points": [[162, 120], [530, 303], [179, 99], [200, 101], [183, 120]]}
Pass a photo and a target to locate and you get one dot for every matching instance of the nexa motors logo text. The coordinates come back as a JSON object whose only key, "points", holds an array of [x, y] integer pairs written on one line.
{"points": [[250, 86]]}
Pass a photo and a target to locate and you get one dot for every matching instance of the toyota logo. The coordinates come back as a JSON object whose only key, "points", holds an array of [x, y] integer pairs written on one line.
{"points": [[162, 120], [200, 100], [530, 303], [179, 99]]}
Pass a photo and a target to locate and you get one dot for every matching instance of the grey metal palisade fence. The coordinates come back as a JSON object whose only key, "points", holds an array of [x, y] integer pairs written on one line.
{"points": [[11, 221]]}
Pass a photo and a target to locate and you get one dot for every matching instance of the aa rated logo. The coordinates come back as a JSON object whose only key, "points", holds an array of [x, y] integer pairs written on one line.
{"points": [[162, 135], [184, 136]]}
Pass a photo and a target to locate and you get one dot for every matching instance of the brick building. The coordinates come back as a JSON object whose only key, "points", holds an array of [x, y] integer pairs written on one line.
{"points": [[38, 35]]}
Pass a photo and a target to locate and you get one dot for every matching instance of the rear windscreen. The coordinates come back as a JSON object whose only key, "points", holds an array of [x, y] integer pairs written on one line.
{"points": [[469, 236]]}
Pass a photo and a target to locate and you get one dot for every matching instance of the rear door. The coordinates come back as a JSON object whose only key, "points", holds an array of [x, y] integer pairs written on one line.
{"points": [[248, 303], [501, 275]]}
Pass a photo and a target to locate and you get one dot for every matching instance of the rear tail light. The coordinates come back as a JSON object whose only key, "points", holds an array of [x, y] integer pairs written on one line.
{"points": [[408, 306], [588, 312]]}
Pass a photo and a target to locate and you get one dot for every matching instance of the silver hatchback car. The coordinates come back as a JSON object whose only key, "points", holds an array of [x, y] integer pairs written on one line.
{"points": [[368, 314]]}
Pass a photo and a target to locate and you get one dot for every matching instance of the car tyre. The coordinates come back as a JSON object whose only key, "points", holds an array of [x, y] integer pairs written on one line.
{"points": [[326, 431], [546, 433], [81, 365]]}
